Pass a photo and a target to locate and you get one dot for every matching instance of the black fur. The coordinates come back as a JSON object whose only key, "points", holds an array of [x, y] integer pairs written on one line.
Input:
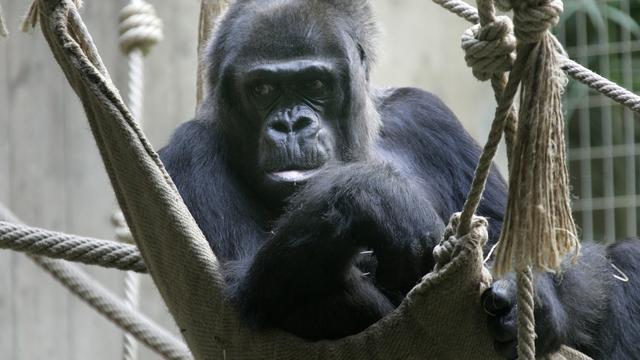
{"points": [[585, 306], [392, 166]]}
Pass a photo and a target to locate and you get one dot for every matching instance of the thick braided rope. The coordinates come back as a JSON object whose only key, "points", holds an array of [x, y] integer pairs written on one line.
{"points": [[578, 72], [526, 318], [116, 310], [135, 88], [601, 84], [57, 245]]}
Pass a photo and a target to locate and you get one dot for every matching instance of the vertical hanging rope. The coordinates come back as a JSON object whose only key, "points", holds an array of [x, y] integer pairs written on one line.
{"points": [[3, 27], [132, 300], [140, 29], [131, 287]]}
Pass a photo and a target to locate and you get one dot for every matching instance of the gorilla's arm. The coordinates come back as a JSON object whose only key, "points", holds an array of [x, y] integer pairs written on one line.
{"points": [[231, 220], [303, 278], [421, 134]]}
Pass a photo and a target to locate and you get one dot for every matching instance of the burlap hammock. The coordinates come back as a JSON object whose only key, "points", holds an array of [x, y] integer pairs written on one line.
{"points": [[441, 318]]}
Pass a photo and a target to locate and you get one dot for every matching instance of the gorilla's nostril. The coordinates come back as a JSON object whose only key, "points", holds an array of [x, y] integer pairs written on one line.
{"points": [[302, 123], [280, 126]]}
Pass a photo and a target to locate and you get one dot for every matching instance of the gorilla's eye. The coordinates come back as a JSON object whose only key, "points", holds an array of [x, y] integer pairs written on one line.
{"points": [[315, 85], [263, 89]]}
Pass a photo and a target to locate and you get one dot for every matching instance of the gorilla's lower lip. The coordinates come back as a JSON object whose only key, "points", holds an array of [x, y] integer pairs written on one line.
{"points": [[293, 175]]}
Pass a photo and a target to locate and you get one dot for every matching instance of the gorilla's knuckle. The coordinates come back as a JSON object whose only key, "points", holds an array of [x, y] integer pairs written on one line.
{"points": [[497, 301]]}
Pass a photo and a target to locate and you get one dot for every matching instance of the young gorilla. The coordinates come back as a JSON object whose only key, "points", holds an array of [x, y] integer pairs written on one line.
{"points": [[294, 167]]}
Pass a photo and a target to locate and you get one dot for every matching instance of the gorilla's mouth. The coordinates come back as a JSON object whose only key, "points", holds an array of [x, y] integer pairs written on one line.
{"points": [[293, 175]]}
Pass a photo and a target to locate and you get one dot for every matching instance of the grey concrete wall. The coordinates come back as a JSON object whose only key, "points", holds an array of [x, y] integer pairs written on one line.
{"points": [[51, 175]]}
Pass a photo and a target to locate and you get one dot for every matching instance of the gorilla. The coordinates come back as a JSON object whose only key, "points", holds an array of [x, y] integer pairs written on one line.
{"points": [[323, 197]]}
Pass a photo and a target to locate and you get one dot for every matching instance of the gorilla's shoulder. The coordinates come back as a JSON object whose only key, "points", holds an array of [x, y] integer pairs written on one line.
{"points": [[193, 129], [190, 141], [413, 106], [408, 110]]}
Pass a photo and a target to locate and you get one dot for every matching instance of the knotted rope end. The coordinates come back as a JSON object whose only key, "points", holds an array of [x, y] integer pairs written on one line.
{"points": [[489, 49], [451, 243], [140, 27]]}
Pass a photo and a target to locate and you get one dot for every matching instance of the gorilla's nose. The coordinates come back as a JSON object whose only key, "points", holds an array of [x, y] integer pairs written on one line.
{"points": [[295, 125]]}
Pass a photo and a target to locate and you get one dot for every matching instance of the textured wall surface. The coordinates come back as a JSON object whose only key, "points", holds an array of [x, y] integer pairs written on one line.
{"points": [[51, 175]]}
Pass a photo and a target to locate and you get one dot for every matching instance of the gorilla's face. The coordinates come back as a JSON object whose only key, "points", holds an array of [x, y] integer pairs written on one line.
{"points": [[294, 106], [290, 89]]}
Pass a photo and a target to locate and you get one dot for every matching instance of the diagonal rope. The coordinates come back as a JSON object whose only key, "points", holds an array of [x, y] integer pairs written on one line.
{"points": [[601, 84], [461, 9], [100, 298]]}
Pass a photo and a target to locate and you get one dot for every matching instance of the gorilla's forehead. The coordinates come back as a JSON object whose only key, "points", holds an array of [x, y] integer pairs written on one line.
{"points": [[290, 29]]}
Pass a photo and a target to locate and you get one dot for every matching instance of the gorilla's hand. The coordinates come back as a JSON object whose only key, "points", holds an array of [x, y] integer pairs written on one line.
{"points": [[499, 303]]}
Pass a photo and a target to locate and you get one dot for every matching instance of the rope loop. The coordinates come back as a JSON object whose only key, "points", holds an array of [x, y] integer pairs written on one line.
{"points": [[532, 19], [140, 28], [489, 49]]}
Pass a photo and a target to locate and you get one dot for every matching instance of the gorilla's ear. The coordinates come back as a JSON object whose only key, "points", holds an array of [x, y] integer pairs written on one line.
{"points": [[363, 54], [364, 59]]}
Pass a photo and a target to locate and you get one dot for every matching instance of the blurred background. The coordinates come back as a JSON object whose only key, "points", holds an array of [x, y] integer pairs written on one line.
{"points": [[51, 175]]}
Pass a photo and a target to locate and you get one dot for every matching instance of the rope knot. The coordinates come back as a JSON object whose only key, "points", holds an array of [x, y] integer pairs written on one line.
{"points": [[140, 28], [490, 49], [533, 18], [449, 246]]}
